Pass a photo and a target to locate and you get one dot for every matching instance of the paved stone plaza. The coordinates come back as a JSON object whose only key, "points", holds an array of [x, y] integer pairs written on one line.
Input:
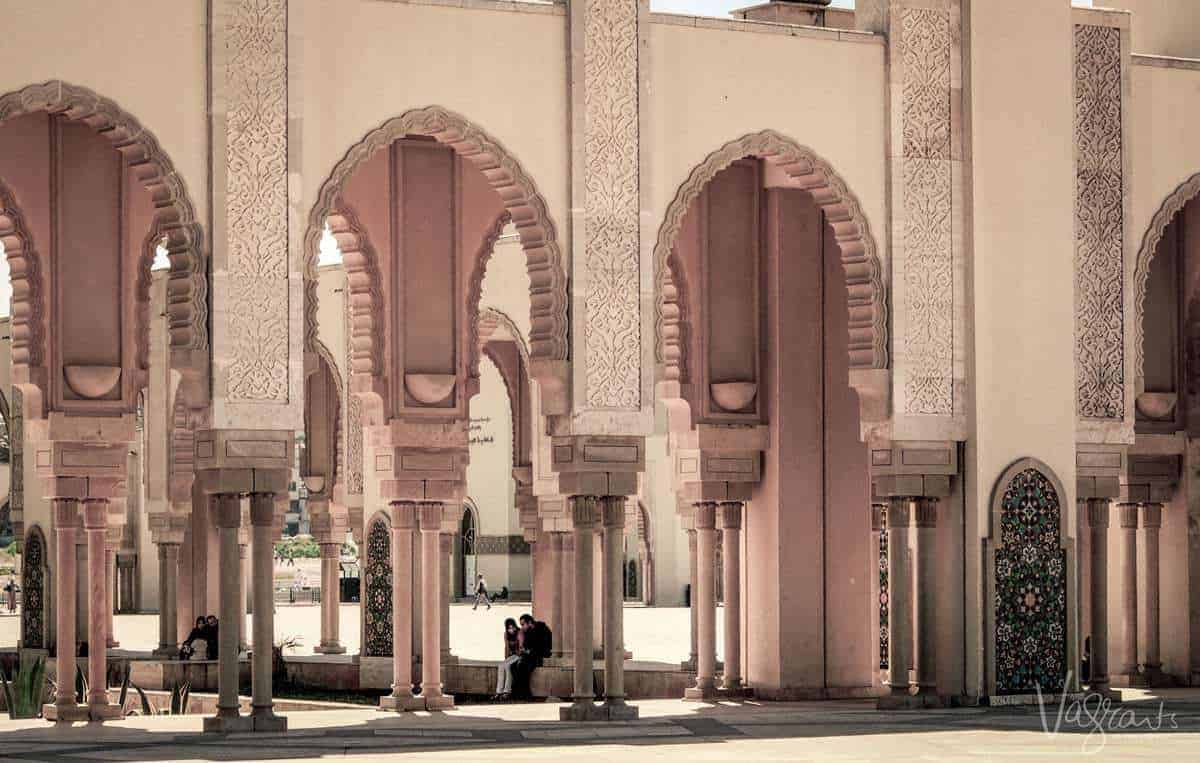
{"points": [[668, 730], [659, 634]]}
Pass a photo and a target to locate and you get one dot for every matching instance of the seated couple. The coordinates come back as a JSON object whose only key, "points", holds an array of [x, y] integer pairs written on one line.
{"points": [[206, 630], [525, 647]]}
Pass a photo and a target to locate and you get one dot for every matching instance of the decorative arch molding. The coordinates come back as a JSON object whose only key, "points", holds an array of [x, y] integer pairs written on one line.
{"points": [[475, 287], [548, 339], [28, 307], [485, 325], [867, 297], [175, 218], [364, 304], [325, 359], [1171, 206]]}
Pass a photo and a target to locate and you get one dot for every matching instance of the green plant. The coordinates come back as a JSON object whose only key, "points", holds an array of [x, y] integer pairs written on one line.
{"points": [[181, 695], [278, 672], [81, 686], [25, 695]]}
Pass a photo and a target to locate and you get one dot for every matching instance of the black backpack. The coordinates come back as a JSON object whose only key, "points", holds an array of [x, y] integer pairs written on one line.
{"points": [[547, 639]]}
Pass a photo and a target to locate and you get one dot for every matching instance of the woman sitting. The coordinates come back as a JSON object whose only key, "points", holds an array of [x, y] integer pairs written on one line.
{"points": [[512, 652]]}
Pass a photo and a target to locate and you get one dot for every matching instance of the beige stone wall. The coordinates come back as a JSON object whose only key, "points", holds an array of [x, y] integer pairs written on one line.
{"points": [[1162, 27]]}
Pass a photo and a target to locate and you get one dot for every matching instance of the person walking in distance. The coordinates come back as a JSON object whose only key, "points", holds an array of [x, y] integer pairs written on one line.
{"points": [[481, 593]]}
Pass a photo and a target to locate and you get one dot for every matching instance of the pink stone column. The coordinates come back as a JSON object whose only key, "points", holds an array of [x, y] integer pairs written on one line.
{"points": [[66, 525], [243, 575], [1151, 522], [110, 579], [705, 603], [900, 624], [262, 563], [731, 531], [226, 507], [926, 637], [1128, 515], [404, 522], [693, 584], [598, 595], [553, 560], [878, 511], [330, 600], [567, 591], [446, 551], [168, 574], [584, 515], [1098, 517], [432, 561], [613, 517], [95, 523]]}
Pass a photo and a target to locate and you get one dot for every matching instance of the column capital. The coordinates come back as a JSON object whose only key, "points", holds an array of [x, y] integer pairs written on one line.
{"points": [[705, 517], [612, 508], [877, 514], [556, 540], [1152, 515], [430, 516], [95, 513], [731, 515], [1098, 512], [262, 509], [1127, 514], [405, 515], [926, 514], [899, 513], [584, 511], [66, 512], [228, 510]]}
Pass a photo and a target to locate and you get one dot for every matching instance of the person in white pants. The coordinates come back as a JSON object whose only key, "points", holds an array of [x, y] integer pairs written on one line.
{"points": [[481, 593]]}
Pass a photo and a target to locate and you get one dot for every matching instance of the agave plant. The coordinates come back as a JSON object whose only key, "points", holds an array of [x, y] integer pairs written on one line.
{"points": [[180, 698], [25, 695]]}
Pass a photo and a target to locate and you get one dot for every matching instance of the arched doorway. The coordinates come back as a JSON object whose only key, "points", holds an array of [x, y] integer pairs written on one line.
{"points": [[467, 550], [33, 591]]}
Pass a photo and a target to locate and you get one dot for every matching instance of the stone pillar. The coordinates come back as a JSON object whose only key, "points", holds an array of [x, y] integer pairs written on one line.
{"points": [[110, 579], [690, 664], [567, 591], [66, 525], [1097, 516], [404, 522], [445, 558], [243, 575], [584, 513], [1151, 522], [432, 596], [613, 516], [926, 636], [878, 511], [900, 630], [1128, 514], [262, 562], [554, 560], [168, 577], [598, 595], [330, 599], [705, 603], [228, 511], [95, 523], [731, 531]]}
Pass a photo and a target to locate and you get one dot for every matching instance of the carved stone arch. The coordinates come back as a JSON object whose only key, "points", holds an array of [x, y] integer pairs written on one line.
{"points": [[1171, 206], [327, 363], [475, 288], [1030, 578], [26, 326], [175, 218], [485, 325], [181, 458], [529, 212], [866, 295]]}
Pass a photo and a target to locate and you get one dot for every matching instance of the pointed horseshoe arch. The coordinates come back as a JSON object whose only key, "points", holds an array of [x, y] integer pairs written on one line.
{"points": [[1172, 206], [529, 212], [175, 220], [867, 298]]}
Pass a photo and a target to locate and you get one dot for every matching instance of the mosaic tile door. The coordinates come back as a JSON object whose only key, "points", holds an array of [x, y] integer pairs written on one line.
{"points": [[1031, 591], [377, 598]]}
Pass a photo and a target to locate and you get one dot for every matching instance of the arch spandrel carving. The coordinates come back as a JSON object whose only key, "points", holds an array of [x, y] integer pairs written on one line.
{"points": [[865, 277], [175, 221], [528, 212]]}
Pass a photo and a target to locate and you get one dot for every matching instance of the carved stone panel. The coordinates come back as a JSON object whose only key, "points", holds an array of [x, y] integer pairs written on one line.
{"points": [[1099, 224], [606, 186]]}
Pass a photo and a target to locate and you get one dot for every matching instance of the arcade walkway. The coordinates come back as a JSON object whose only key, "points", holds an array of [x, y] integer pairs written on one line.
{"points": [[668, 730]]}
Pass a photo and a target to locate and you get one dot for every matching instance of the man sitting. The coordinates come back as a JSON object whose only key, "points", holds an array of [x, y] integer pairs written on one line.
{"points": [[536, 644]]}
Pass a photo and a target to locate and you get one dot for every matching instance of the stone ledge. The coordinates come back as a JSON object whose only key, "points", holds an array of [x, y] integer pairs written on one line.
{"points": [[765, 27], [1165, 62]]}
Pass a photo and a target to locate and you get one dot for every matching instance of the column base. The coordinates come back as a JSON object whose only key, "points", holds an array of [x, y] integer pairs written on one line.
{"points": [[909, 702], [735, 692], [435, 702], [65, 713], [265, 719], [585, 710], [704, 690], [227, 722], [401, 704], [330, 648], [105, 712]]}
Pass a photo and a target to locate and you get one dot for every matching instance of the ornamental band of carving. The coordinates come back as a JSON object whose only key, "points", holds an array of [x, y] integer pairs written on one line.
{"points": [[256, 199], [1099, 225], [612, 205], [927, 234]]}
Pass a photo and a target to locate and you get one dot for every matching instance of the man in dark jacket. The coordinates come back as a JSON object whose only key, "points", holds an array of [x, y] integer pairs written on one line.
{"points": [[537, 643]]}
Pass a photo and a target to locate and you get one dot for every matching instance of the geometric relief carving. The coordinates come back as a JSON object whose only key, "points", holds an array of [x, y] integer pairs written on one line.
{"points": [[928, 207], [256, 200], [354, 429], [612, 205], [377, 596], [1030, 588], [1099, 225], [33, 585], [884, 646]]}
